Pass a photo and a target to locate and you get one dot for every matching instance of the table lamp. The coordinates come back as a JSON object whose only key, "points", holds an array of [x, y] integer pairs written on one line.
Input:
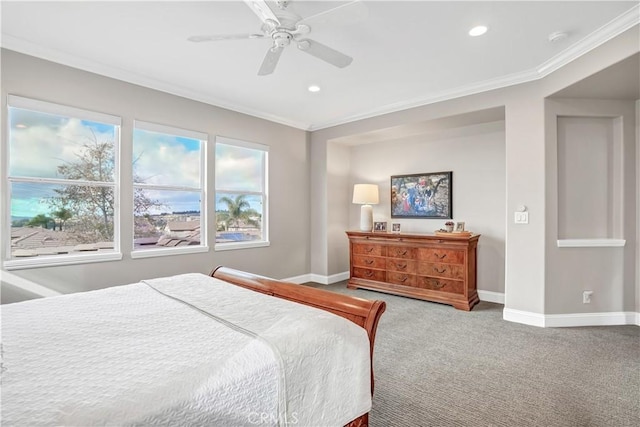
{"points": [[366, 195]]}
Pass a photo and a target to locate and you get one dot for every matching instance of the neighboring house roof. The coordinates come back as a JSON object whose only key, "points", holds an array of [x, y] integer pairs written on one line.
{"points": [[30, 242], [183, 226]]}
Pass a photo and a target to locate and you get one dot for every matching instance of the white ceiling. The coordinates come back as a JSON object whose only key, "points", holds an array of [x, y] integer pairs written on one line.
{"points": [[406, 53]]}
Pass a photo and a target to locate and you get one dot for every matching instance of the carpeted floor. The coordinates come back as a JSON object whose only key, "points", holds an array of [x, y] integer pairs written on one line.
{"points": [[437, 366]]}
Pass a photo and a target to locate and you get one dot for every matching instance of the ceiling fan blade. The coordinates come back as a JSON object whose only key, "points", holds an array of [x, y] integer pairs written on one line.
{"points": [[270, 61], [262, 10], [213, 38], [325, 53], [348, 13]]}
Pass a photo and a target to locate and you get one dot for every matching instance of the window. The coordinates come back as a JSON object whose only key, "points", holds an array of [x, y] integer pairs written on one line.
{"points": [[168, 190], [62, 184], [241, 194]]}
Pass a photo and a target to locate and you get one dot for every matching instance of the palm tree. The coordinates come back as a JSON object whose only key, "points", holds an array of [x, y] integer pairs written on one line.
{"points": [[238, 211]]}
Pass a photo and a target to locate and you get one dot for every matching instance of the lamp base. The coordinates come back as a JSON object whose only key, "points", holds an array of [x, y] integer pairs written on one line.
{"points": [[366, 218]]}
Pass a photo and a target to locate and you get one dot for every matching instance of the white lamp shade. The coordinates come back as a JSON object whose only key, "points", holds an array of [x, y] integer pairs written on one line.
{"points": [[365, 194]]}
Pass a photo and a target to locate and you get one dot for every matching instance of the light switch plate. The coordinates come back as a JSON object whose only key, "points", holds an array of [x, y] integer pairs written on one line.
{"points": [[521, 218]]}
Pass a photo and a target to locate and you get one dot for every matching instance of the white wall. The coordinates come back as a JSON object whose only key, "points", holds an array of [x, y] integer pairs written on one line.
{"points": [[288, 254]]}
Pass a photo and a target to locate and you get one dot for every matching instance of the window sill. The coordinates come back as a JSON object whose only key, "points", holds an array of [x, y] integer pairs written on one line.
{"points": [[151, 253], [241, 245], [54, 261], [591, 243]]}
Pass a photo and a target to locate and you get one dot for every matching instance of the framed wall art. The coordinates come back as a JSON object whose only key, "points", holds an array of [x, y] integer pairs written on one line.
{"points": [[422, 195]]}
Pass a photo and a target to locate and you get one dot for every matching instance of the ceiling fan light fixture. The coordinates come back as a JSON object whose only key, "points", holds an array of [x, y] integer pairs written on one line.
{"points": [[478, 31]]}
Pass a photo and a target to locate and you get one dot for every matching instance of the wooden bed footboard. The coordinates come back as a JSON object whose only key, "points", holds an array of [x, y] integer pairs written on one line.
{"points": [[362, 312]]}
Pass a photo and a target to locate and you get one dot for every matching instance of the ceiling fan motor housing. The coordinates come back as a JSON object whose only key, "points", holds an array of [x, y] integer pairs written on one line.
{"points": [[281, 38]]}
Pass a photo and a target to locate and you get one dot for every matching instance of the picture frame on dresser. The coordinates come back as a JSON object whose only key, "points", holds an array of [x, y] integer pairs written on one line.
{"points": [[422, 195], [380, 227]]}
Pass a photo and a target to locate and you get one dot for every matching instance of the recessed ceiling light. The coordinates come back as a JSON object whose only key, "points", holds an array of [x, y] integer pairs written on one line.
{"points": [[478, 31], [314, 88]]}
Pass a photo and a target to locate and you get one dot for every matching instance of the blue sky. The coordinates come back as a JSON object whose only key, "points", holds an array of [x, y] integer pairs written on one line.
{"points": [[40, 142]]}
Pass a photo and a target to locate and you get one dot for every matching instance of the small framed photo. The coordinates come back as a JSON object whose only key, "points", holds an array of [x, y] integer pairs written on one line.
{"points": [[380, 226], [395, 227], [459, 226]]}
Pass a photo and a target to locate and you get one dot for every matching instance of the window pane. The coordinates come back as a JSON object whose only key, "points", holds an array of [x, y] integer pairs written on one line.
{"points": [[238, 217], [161, 159], [51, 219], [51, 146], [166, 218], [239, 168]]}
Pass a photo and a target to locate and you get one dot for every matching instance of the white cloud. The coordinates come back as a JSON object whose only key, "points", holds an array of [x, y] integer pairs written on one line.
{"points": [[163, 160]]}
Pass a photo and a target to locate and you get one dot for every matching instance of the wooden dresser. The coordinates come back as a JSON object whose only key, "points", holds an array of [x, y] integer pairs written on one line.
{"points": [[424, 266]]}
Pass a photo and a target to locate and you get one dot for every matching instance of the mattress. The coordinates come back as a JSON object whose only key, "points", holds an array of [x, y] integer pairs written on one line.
{"points": [[182, 350]]}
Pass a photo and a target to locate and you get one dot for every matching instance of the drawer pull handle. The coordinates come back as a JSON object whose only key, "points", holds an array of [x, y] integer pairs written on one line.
{"points": [[441, 257], [368, 273], [404, 279], [438, 271], [435, 283], [401, 266], [368, 261], [369, 250], [399, 252]]}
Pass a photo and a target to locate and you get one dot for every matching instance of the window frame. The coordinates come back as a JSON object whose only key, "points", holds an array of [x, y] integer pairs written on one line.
{"points": [[12, 263], [184, 133], [264, 242]]}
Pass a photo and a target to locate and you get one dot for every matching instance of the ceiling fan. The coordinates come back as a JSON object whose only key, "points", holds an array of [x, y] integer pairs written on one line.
{"points": [[284, 27]]}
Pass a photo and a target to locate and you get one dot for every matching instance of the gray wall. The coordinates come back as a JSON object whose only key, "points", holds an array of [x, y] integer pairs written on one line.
{"points": [[527, 248], [476, 156], [288, 254], [610, 213]]}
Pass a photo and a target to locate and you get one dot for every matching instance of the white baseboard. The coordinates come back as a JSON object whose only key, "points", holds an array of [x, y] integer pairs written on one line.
{"points": [[490, 296], [304, 278], [524, 317], [571, 319], [318, 278]]}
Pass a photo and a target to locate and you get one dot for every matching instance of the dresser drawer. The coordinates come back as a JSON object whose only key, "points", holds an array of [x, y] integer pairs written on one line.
{"points": [[401, 278], [448, 256], [369, 249], [453, 271], [369, 261], [401, 265], [369, 274], [405, 252], [441, 285]]}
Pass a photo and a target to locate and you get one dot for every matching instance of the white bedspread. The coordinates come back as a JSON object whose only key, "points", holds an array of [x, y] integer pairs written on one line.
{"points": [[157, 353]]}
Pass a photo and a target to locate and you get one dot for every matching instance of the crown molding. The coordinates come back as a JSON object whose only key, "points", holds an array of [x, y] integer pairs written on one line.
{"points": [[59, 57], [602, 35], [605, 33]]}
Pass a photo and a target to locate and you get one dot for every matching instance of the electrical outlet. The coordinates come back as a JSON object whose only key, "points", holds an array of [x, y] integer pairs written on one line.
{"points": [[586, 297]]}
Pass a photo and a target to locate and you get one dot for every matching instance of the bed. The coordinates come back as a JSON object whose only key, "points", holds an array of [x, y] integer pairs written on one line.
{"points": [[229, 348]]}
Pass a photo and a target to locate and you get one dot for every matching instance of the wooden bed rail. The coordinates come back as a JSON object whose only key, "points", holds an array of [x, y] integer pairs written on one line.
{"points": [[364, 313]]}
